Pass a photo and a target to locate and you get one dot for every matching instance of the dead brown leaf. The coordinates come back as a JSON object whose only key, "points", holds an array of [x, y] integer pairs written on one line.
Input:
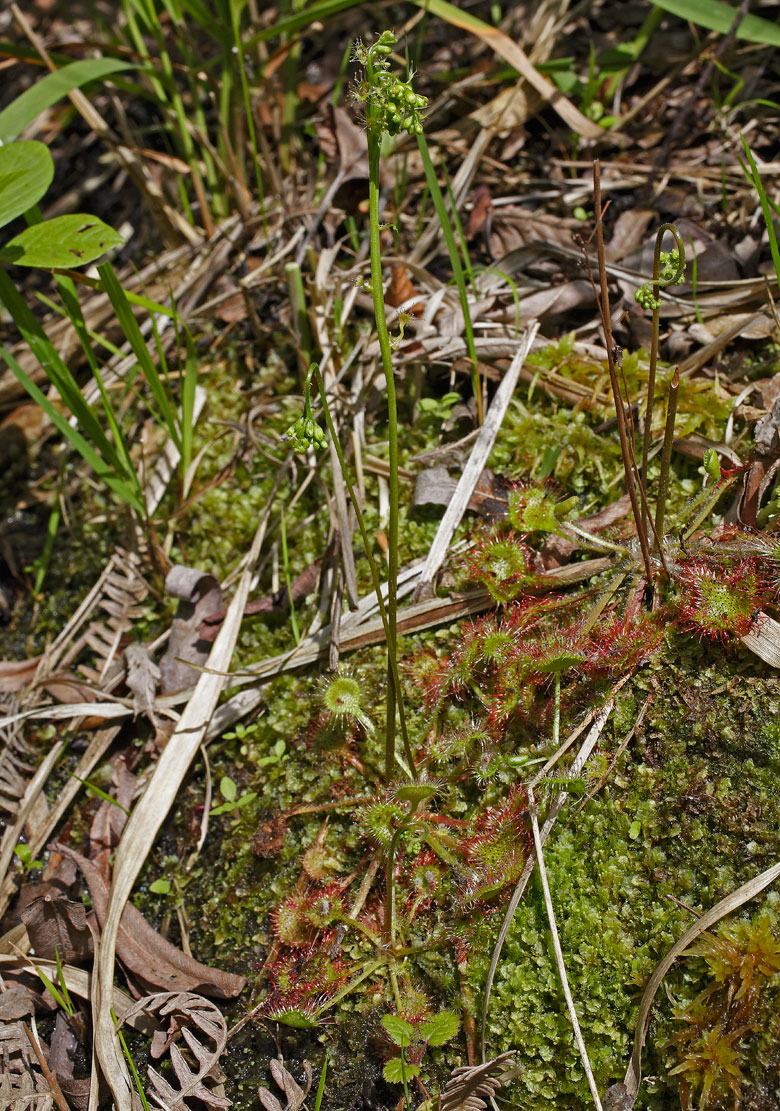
{"points": [[146, 954], [55, 923], [110, 820], [401, 289], [200, 597], [142, 678], [201, 1025], [481, 210], [628, 233], [16, 1001], [17, 674]]}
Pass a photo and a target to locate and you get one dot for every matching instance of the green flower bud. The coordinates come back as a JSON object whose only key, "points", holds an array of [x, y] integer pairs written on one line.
{"points": [[306, 433]]}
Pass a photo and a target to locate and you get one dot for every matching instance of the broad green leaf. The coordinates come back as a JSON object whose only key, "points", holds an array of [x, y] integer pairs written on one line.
{"points": [[160, 887], [440, 1028], [399, 1030], [62, 243], [26, 172], [717, 16], [50, 89], [395, 1070]]}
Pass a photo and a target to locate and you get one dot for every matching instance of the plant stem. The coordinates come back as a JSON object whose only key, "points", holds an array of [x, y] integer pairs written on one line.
{"points": [[666, 456], [383, 612], [377, 295], [620, 412]]}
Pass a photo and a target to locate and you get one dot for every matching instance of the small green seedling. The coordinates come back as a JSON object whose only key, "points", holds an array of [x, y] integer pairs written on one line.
{"points": [[439, 408], [24, 852], [229, 792], [60, 996]]}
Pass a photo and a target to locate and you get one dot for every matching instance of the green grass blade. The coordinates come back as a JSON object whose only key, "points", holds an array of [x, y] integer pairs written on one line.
{"points": [[108, 473], [67, 288], [754, 177], [56, 370], [131, 1063], [46, 92], [132, 334], [717, 16], [321, 1085], [61, 977], [455, 262], [318, 11], [52, 990]]}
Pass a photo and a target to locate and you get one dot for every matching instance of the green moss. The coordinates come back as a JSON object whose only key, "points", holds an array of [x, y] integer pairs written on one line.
{"points": [[708, 813]]}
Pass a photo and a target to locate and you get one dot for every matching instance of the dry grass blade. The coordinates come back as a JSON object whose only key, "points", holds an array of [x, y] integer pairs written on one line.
{"points": [[509, 50], [149, 814], [599, 719], [469, 1089], [483, 445], [732, 902], [558, 951]]}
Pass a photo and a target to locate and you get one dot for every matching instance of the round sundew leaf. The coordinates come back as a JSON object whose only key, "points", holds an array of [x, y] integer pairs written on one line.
{"points": [[26, 172], [416, 792], [297, 1019], [61, 243], [559, 664]]}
